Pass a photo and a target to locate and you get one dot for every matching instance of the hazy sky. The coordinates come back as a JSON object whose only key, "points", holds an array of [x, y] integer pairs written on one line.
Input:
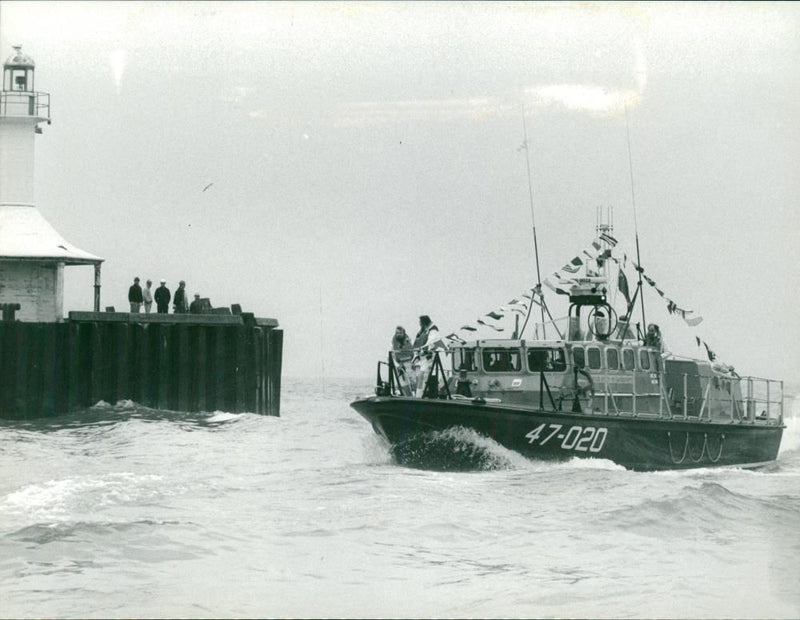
{"points": [[366, 166]]}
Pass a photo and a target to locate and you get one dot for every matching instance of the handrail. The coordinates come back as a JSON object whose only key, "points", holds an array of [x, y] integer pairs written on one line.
{"points": [[690, 396], [32, 103]]}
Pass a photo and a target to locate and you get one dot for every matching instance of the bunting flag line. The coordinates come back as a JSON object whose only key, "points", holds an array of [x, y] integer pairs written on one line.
{"points": [[593, 250], [497, 329], [468, 328], [608, 239], [455, 338], [554, 288], [711, 355], [494, 315], [622, 285]]}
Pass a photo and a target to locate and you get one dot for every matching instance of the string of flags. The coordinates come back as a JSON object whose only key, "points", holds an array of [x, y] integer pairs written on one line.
{"points": [[594, 252], [563, 279], [519, 306], [672, 307]]}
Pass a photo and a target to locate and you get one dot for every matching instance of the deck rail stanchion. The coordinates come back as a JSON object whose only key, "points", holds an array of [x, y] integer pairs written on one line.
{"points": [[769, 404], [685, 395]]}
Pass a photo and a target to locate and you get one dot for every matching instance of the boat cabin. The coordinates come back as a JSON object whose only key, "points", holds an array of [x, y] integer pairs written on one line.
{"points": [[615, 377]]}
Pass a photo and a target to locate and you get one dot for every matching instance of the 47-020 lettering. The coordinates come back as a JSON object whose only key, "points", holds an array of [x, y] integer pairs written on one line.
{"points": [[580, 438]]}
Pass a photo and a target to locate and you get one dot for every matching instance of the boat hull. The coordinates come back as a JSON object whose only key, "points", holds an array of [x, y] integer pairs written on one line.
{"points": [[641, 444]]}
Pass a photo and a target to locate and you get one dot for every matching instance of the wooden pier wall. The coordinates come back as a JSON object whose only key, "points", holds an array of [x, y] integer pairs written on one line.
{"points": [[176, 362]]}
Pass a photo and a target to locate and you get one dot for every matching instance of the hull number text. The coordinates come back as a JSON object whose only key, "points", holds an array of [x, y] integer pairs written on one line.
{"points": [[580, 438]]}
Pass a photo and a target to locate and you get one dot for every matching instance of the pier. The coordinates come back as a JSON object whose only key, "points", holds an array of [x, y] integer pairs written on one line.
{"points": [[177, 362]]}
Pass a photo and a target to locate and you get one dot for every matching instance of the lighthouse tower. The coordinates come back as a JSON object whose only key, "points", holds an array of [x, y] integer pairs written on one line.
{"points": [[32, 254]]}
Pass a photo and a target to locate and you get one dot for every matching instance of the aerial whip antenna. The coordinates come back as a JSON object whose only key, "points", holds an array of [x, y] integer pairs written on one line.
{"points": [[535, 243], [635, 222]]}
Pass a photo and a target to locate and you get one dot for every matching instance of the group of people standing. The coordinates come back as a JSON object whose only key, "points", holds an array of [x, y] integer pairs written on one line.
{"points": [[137, 296], [427, 335], [416, 356]]}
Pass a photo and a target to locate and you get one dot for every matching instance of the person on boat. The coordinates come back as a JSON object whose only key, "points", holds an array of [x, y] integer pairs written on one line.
{"points": [[162, 297], [147, 295], [135, 295], [653, 337], [179, 305], [464, 385], [401, 342], [428, 333], [425, 342]]}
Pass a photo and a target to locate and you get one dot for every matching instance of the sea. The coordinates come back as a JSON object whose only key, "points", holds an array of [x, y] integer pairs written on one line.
{"points": [[125, 511]]}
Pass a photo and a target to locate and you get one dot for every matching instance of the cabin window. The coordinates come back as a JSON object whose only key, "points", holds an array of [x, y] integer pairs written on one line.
{"points": [[595, 360], [464, 359], [655, 360], [628, 360], [612, 359], [579, 357], [501, 360], [644, 359], [546, 360]]}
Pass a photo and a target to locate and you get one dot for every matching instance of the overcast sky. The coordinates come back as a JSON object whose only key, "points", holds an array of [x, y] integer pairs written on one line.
{"points": [[366, 161]]}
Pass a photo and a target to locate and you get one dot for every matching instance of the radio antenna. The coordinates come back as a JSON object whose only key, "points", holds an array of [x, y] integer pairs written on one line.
{"points": [[635, 222], [533, 223]]}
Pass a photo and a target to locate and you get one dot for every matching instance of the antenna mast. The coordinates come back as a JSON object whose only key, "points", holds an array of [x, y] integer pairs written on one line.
{"points": [[533, 222], [635, 222]]}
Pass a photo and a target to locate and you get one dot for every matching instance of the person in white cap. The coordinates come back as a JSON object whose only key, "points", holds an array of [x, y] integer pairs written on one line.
{"points": [[162, 298]]}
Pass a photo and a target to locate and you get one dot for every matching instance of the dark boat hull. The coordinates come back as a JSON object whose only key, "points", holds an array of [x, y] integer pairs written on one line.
{"points": [[641, 444]]}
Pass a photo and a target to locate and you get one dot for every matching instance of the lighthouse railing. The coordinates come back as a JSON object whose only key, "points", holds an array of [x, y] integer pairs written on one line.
{"points": [[24, 103]]}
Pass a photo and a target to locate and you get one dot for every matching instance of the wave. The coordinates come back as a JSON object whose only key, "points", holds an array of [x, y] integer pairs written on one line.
{"points": [[704, 506], [43, 533], [455, 449], [60, 499], [104, 414]]}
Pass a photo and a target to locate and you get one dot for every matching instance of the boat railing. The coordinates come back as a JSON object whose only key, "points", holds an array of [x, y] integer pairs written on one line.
{"points": [[715, 398], [734, 399]]}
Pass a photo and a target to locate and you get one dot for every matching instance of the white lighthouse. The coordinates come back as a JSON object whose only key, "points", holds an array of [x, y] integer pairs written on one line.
{"points": [[32, 253]]}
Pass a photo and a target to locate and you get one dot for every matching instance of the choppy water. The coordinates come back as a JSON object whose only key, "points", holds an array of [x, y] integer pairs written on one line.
{"points": [[126, 511]]}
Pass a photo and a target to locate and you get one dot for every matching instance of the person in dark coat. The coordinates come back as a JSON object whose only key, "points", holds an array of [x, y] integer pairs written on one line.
{"points": [[162, 297], [135, 295], [401, 344], [179, 303], [196, 307]]}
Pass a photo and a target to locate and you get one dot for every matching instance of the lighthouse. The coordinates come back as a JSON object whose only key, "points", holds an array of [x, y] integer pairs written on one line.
{"points": [[32, 253], [220, 359]]}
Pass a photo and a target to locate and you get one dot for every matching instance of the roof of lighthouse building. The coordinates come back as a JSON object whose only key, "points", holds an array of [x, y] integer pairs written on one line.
{"points": [[26, 235], [18, 60]]}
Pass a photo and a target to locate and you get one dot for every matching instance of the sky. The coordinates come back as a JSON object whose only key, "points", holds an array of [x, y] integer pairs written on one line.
{"points": [[365, 162]]}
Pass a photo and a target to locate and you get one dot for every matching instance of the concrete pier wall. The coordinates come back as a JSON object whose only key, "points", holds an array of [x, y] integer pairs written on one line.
{"points": [[176, 362]]}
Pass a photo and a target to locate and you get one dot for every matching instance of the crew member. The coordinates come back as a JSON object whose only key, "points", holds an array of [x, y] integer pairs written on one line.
{"points": [[135, 295], [162, 297]]}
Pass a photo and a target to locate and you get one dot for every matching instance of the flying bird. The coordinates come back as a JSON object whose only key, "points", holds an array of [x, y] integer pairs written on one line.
{"points": [[207, 186]]}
